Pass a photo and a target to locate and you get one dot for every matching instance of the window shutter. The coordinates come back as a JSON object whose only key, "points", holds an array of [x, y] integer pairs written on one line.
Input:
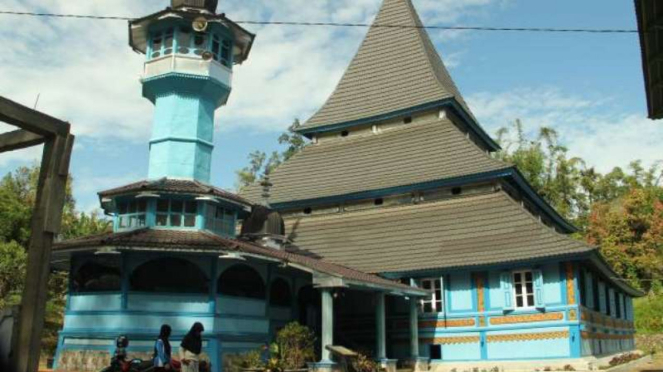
{"points": [[443, 298], [507, 283], [539, 302]]}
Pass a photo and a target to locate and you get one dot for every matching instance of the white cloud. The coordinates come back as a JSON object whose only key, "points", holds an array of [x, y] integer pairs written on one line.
{"points": [[86, 73], [590, 127]]}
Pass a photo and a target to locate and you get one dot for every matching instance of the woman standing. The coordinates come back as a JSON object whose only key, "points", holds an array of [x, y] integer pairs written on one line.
{"points": [[191, 347], [162, 350]]}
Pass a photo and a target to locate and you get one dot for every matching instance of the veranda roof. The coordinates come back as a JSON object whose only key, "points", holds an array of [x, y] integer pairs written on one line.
{"points": [[204, 242], [395, 68]]}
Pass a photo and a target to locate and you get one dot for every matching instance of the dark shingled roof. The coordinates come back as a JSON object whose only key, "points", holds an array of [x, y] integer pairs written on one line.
{"points": [[462, 231], [650, 26], [406, 155], [394, 69], [200, 241], [174, 186]]}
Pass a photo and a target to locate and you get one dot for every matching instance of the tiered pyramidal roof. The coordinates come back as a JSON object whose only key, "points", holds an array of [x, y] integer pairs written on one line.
{"points": [[396, 68]]}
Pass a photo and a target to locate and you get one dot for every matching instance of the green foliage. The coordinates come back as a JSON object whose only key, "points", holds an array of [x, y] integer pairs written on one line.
{"points": [[566, 182], [629, 232], [296, 344], [363, 363], [648, 313], [13, 261], [249, 360], [18, 193], [259, 163]]}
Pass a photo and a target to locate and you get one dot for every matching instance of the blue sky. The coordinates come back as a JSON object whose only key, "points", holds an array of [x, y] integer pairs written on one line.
{"points": [[587, 86]]}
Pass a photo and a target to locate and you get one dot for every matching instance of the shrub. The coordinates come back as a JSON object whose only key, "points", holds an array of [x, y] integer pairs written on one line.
{"points": [[649, 343], [648, 313], [365, 364], [295, 346]]}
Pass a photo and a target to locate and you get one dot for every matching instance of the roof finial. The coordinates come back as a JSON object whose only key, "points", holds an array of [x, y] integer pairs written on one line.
{"points": [[266, 187]]}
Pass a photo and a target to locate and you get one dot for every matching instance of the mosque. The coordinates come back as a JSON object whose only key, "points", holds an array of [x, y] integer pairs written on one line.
{"points": [[394, 230]]}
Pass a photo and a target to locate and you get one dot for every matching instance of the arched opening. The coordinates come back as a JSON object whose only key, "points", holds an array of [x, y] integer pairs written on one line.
{"points": [[169, 275], [241, 281], [97, 277], [309, 301], [280, 294]]}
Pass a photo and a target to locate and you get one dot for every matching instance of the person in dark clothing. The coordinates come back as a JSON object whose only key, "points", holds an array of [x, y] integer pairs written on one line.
{"points": [[162, 351], [191, 347]]}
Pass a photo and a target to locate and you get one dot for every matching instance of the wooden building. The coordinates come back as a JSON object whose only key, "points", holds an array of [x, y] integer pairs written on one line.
{"points": [[395, 230], [400, 181]]}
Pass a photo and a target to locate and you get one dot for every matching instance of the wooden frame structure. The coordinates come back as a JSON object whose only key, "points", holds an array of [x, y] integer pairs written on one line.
{"points": [[37, 128], [649, 14]]}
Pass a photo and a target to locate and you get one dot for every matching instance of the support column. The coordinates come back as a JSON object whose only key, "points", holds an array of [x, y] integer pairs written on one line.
{"points": [[414, 329], [327, 323], [380, 325]]}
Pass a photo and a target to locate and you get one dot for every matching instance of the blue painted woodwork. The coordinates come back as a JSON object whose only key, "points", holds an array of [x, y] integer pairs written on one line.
{"points": [[185, 99]]}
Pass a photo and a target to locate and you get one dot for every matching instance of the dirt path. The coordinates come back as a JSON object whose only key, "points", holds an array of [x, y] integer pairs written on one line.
{"points": [[656, 365]]}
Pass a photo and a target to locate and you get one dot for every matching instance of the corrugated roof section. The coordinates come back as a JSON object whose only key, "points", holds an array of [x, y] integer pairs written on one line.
{"points": [[394, 69], [200, 241], [175, 186], [458, 232], [406, 155]]}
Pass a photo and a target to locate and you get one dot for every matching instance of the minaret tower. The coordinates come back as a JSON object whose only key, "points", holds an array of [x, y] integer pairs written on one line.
{"points": [[190, 54]]}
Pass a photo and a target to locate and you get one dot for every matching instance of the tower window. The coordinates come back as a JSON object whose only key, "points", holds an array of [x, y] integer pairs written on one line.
{"points": [[220, 220], [407, 120], [308, 210], [456, 191], [131, 214], [345, 133], [176, 213], [379, 201]]}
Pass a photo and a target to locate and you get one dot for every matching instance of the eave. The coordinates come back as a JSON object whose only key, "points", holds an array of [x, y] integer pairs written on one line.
{"points": [[448, 103], [510, 174]]}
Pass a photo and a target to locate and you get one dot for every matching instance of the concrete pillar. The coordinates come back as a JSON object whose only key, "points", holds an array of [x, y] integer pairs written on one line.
{"points": [[381, 334], [327, 323], [414, 329]]}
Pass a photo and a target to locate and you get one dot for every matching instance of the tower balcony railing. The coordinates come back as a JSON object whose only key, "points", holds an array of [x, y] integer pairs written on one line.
{"points": [[188, 65]]}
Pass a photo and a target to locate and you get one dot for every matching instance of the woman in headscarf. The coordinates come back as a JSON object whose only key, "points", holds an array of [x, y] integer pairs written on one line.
{"points": [[162, 350], [191, 347]]}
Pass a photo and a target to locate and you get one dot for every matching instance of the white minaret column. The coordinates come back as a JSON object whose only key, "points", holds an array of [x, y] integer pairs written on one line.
{"points": [[327, 323]]}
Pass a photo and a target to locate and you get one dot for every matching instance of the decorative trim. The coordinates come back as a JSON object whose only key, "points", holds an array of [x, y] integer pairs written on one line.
{"points": [[451, 340], [481, 298], [527, 336], [448, 323], [573, 314], [482, 321], [570, 284], [586, 335], [512, 319]]}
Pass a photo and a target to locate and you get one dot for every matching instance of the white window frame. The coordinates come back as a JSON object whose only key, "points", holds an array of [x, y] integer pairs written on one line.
{"points": [[525, 295], [433, 300]]}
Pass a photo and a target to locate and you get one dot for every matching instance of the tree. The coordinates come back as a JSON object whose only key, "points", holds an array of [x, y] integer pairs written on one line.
{"points": [[259, 163], [629, 232], [18, 192]]}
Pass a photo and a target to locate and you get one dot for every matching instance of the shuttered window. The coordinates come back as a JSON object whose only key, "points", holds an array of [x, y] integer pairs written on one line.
{"points": [[435, 303], [523, 289]]}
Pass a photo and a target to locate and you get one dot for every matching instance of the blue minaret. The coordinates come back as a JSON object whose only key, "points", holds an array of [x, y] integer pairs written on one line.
{"points": [[190, 54]]}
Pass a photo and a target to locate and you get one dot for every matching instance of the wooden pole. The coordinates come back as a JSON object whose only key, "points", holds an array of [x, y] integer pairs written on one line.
{"points": [[45, 224]]}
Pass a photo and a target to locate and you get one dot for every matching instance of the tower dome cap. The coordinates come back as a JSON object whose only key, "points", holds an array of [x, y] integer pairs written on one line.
{"points": [[209, 5]]}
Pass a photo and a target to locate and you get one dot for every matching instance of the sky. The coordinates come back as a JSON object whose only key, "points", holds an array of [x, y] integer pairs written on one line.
{"points": [[588, 87]]}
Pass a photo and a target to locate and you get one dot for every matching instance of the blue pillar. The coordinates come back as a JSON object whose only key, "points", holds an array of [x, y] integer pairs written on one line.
{"points": [[414, 329], [124, 273], [327, 323], [380, 334]]}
